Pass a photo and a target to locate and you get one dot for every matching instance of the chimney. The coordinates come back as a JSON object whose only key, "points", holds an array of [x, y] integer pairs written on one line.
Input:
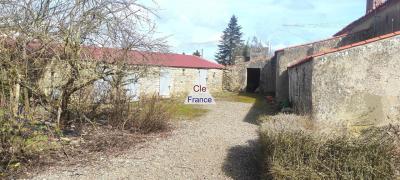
{"points": [[373, 4]]}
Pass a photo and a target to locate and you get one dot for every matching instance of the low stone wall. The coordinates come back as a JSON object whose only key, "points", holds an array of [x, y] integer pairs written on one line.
{"points": [[358, 86]]}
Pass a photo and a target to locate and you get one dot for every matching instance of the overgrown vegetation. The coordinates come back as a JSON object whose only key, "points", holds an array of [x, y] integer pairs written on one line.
{"points": [[22, 142], [296, 151], [64, 65], [147, 115]]}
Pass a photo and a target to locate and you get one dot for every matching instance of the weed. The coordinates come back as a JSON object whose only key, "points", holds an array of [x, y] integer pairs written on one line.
{"points": [[22, 142]]}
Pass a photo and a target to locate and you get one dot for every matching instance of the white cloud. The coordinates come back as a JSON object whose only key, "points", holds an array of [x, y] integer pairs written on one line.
{"points": [[195, 24]]}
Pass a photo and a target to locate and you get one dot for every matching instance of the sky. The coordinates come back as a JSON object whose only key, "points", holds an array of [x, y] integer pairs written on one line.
{"points": [[191, 25]]}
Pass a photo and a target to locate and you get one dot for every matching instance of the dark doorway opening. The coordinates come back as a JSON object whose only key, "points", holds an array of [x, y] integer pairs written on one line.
{"points": [[253, 79]]}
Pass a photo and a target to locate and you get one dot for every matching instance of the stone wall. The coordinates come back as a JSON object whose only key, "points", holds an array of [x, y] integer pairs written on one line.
{"points": [[182, 80], [267, 81], [358, 86], [300, 78], [235, 77], [289, 55]]}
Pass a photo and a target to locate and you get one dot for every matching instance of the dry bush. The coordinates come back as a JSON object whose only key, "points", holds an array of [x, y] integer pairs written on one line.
{"points": [[153, 115], [150, 114], [301, 153], [286, 122]]}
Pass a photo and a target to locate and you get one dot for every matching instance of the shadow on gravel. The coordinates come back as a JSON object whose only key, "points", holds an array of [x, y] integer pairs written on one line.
{"points": [[243, 162], [259, 108]]}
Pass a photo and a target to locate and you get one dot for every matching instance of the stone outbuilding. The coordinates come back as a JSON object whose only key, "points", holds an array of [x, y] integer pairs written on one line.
{"points": [[149, 73], [176, 74], [350, 78], [255, 73]]}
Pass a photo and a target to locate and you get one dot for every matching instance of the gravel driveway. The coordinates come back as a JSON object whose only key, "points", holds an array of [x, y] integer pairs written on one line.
{"points": [[219, 145]]}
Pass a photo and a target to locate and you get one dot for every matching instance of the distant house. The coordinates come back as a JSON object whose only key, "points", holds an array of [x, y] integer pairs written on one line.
{"points": [[151, 73], [176, 74]]}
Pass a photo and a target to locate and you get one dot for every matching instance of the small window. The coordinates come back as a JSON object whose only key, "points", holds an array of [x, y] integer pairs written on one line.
{"points": [[183, 71], [214, 75]]}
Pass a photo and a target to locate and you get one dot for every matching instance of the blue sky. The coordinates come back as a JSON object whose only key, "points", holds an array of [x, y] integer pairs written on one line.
{"points": [[198, 24]]}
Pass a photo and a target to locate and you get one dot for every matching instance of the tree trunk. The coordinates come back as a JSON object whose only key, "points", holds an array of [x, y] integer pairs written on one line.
{"points": [[26, 100], [14, 96], [65, 115]]}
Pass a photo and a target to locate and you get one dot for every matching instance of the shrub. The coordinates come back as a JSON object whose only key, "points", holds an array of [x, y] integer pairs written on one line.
{"points": [[150, 114], [22, 141], [301, 154]]}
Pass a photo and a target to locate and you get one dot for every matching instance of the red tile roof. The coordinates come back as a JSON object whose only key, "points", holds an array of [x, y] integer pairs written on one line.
{"points": [[352, 25], [309, 58], [112, 55]]}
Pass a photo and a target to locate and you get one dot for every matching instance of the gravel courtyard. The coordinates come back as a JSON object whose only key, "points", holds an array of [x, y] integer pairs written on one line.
{"points": [[219, 145]]}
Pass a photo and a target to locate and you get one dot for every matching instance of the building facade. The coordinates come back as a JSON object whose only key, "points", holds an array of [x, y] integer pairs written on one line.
{"points": [[146, 74]]}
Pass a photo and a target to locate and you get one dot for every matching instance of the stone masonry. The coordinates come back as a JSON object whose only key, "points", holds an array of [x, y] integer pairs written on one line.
{"points": [[358, 85]]}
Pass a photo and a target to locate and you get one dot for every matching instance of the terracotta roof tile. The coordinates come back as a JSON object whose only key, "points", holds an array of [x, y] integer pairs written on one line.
{"points": [[112, 55]]}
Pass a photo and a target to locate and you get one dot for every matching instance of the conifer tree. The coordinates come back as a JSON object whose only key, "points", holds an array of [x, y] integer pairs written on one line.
{"points": [[230, 43]]}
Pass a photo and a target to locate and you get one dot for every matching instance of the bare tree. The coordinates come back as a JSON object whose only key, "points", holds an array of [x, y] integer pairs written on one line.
{"points": [[75, 34]]}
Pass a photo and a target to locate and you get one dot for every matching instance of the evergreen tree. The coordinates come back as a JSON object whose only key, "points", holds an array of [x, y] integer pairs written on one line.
{"points": [[197, 53], [229, 44], [246, 51]]}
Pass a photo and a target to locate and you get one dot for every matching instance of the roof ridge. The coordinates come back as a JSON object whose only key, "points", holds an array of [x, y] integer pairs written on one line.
{"points": [[380, 7], [360, 43]]}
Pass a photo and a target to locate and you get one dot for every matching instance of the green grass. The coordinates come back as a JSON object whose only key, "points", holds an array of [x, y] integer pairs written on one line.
{"points": [[185, 111], [239, 97], [258, 100], [180, 110]]}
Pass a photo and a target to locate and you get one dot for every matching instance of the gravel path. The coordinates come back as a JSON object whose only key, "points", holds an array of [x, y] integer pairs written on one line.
{"points": [[219, 145]]}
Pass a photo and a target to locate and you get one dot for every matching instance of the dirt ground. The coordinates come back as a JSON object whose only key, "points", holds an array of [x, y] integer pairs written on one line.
{"points": [[220, 145]]}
